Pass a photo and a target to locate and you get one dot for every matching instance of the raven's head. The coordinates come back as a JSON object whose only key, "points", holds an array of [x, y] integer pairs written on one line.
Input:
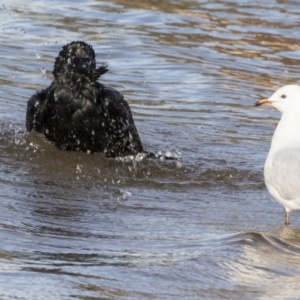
{"points": [[76, 62]]}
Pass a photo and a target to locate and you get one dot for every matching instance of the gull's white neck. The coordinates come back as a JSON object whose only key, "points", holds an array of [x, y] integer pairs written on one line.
{"points": [[287, 133]]}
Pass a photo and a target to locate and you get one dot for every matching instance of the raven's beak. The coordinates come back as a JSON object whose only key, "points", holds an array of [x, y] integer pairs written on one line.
{"points": [[83, 65], [263, 102]]}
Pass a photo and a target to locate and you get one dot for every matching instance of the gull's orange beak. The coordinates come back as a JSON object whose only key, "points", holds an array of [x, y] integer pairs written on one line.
{"points": [[263, 102]]}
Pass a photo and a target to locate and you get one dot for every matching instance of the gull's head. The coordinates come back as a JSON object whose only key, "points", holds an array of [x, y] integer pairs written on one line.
{"points": [[285, 99]]}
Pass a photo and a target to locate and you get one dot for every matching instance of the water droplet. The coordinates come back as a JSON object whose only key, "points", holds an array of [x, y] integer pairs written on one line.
{"points": [[168, 154], [43, 71], [178, 164], [78, 169]]}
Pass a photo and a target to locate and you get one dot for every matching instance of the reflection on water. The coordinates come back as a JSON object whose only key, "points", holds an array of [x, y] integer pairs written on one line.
{"points": [[83, 226]]}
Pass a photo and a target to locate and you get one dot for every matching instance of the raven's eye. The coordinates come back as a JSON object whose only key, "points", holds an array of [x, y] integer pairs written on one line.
{"points": [[283, 96]]}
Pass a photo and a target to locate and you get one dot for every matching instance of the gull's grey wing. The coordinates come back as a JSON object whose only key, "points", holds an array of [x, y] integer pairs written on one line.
{"points": [[285, 173]]}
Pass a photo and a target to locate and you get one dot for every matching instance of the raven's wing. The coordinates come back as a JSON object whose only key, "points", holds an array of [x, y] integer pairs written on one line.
{"points": [[121, 121], [35, 110]]}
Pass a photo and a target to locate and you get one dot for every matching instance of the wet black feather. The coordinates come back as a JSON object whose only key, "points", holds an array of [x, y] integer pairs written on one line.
{"points": [[76, 112]]}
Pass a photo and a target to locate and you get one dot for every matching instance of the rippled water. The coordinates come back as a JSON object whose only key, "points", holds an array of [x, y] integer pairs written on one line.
{"points": [[81, 226]]}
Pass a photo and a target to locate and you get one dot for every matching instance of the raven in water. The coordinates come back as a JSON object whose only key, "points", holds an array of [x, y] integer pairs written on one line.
{"points": [[76, 112]]}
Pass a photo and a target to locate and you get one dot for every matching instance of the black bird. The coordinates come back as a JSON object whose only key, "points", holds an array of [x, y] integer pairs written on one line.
{"points": [[76, 112]]}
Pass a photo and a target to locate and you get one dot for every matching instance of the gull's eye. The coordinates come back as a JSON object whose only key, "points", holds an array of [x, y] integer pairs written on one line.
{"points": [[283, 96]]}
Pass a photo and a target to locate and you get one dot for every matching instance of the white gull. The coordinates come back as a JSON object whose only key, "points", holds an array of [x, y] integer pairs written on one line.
{"points": [[282, 167]]}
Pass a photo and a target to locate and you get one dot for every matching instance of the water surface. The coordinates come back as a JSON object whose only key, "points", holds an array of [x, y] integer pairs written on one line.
{"points": [[81, 226]]}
